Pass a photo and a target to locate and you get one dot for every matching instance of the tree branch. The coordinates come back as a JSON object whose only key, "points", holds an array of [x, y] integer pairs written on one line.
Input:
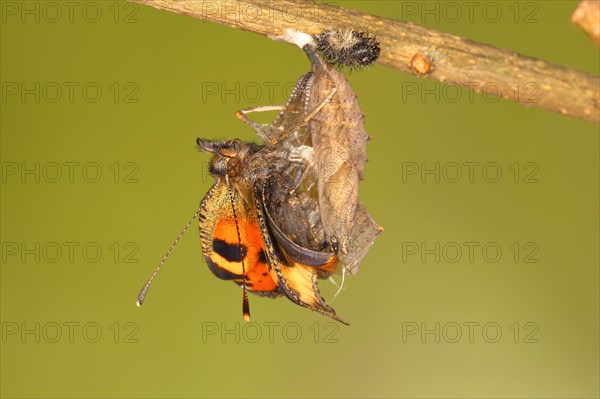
{"points": [[414, 49]]}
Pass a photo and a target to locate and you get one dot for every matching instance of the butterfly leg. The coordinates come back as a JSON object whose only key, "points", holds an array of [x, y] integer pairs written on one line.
{"points": [[263, 133], [306, 119], [301, 87]]}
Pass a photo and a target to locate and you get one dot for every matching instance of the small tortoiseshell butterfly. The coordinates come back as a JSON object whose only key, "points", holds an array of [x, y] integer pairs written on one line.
{"points": [[260, 223]]}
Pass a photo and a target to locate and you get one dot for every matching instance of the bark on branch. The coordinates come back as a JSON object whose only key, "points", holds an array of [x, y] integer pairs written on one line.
{"points": [[417, 50]]}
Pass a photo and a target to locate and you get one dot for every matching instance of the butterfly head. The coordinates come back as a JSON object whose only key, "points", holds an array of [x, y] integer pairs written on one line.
{"points": [[228, 156]]}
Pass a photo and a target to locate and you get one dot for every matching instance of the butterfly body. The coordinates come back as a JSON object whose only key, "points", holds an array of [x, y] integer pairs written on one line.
{"points": [[256, 230]]}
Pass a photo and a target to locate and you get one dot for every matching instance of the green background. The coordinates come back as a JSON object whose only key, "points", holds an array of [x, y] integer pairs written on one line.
{"points": [[173, 60]]}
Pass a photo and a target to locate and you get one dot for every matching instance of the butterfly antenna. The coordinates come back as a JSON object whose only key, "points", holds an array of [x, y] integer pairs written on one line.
{"points": [[144, 291], [245, 303]]}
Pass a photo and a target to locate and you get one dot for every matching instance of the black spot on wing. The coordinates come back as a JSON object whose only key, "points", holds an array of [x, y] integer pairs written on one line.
{"points": [[262, 258], [231, 252], [221, 273]]}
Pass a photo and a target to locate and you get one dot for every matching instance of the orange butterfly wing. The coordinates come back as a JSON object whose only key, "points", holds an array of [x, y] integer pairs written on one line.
{"points": [[220, 244]]}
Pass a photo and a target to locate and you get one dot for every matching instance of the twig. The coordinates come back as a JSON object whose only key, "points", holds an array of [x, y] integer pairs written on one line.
{"points": [[408, 47]]}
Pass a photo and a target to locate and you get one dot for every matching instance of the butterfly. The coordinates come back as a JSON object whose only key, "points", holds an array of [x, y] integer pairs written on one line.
{"points": [[261, 222]]}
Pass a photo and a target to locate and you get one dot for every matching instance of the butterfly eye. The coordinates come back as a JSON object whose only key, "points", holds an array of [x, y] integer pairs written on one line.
{"points": [[234, 167]]}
